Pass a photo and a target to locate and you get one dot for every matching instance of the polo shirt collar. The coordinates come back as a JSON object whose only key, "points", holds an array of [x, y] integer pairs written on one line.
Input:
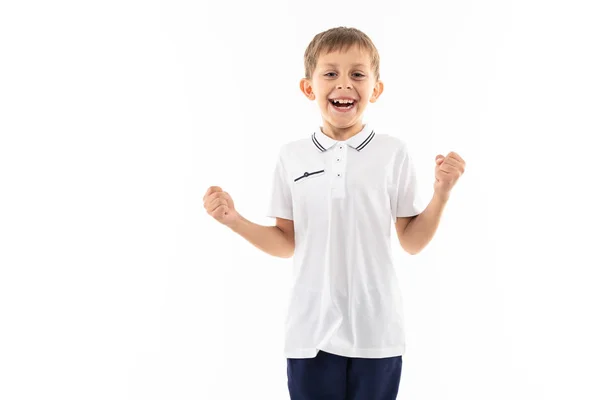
{"points": [[359, 141]]}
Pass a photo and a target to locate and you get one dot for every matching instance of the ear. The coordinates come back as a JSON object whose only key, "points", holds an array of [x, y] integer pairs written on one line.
{"points": [[306, 88], [377, 90]]}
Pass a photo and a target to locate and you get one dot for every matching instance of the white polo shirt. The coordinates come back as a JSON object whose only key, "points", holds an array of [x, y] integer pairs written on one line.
{"points": [[344, 197]]}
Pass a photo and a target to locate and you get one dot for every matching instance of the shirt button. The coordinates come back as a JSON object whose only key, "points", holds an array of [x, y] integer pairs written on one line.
{"points": [[340, 147], [339, 174], [338, 159]]}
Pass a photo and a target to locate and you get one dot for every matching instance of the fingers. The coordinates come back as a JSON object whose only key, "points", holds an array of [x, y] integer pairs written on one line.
{"points": [[220, 212], [452, 163], [217, 208], [211, 190], [447, 168], [215, 203], [451, 166], [212, 194], [454, 156], [217, 197]]}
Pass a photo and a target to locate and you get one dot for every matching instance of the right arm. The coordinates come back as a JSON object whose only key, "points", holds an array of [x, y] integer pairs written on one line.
{"points": [[275, 240]]}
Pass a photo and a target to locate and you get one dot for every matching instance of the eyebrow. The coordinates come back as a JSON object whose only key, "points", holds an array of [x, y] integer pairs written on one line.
{"points": [[335, 65]]}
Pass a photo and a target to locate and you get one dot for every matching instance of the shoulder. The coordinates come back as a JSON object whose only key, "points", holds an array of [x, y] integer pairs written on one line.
{"points": [[391, 141], [295, 147], [392, 145]]}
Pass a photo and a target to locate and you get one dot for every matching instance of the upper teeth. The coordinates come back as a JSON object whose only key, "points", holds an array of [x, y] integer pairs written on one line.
{"points": [[343, 101]]}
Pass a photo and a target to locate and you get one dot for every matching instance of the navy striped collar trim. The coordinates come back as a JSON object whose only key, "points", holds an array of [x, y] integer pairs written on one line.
{"points": [[316, 142], [366, 141], [323, 142]]}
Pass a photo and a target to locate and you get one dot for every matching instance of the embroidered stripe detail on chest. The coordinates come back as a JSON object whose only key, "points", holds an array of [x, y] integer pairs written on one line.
{"points": [[307, 174]]}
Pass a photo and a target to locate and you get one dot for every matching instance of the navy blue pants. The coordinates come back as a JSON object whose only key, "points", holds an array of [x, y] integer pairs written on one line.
{"points": [[332, 377]]}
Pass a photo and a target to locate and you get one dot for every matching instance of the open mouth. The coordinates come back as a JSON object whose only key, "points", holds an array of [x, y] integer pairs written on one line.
{"points": [[342, 105]]}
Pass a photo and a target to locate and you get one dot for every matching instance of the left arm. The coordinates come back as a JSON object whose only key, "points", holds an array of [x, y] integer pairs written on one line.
{"points": [[414, 233]]}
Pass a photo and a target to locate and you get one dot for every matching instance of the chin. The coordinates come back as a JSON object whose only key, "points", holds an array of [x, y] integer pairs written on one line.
{"points": [[343, 124]]}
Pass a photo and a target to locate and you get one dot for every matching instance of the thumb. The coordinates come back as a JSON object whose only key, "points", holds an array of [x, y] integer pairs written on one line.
{"points": [[439, 159]]}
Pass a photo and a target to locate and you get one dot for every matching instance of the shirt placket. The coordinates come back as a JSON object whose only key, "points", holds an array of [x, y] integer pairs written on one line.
{"points": [[339, 167]]}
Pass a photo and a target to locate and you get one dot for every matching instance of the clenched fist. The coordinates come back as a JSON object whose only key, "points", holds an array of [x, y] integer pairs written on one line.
{"points": [[447, 171], [219, 205]]}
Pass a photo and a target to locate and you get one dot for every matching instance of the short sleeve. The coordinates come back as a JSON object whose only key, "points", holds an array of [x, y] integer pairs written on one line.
{"points": [[408, 201], [280, 204]]}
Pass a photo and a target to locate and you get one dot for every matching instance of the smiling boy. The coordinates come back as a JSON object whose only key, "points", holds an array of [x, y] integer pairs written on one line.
{"points": [[335, 194]]}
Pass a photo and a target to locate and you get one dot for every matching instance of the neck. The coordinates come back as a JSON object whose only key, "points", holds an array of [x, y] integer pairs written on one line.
{"points": [[341, 134]]}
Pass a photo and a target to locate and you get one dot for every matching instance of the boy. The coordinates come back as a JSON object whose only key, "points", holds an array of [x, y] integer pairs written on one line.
{"points": [[335, 194]]}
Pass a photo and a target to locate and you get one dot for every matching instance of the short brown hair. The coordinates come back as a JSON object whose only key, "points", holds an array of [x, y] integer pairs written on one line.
{"points": [[334, 39]]}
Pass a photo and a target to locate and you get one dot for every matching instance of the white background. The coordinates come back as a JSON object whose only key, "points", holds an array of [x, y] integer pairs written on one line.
{"points": [[116, 116]]}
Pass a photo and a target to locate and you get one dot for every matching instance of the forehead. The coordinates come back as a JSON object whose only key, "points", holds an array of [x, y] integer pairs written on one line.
{"points": [[353, 56]]}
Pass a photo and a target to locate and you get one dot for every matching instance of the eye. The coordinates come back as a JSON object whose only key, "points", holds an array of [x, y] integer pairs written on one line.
{"points": [[356, 74]]}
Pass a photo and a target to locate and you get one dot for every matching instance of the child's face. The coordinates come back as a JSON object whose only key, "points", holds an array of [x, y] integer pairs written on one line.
{"points": [[343, 75]]}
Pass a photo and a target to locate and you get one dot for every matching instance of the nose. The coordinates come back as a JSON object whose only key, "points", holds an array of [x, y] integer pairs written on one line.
{"points": [[340, 86]]}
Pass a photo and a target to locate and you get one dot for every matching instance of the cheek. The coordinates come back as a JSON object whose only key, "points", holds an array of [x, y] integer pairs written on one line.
{"points": [[365, 92]]}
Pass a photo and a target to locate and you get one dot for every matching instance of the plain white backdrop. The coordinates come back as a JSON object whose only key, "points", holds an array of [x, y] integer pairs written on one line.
{"points": [[116, 116]]}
